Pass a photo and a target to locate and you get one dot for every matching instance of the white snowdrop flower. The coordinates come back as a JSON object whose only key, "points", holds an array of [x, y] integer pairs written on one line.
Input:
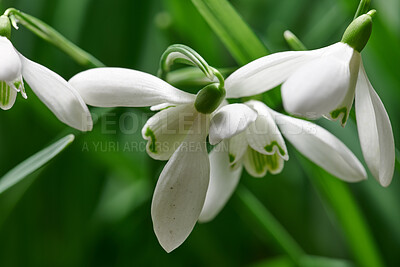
{"points": [[261, 149], [324, 82], [176, 133], [55, 92]]}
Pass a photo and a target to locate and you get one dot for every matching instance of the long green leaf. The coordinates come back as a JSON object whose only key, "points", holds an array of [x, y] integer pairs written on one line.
{"points": [[33, 163], [337, 195], [240, 40], [255, 211]]}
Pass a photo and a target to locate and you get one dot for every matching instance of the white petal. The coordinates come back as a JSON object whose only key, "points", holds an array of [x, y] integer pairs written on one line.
{"points": [[258, 164], [10, 64], [223, 181], [112, 87], [166, 130], [237, 147], [374, 130], [342, 111], [321, 147], [57, 94], [181, 190], [320, 86], [229, 121], [266, 73], [7, 96], [263, 135]]}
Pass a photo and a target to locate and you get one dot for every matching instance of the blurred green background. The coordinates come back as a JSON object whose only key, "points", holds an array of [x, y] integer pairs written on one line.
{"points": [[90, 206]]}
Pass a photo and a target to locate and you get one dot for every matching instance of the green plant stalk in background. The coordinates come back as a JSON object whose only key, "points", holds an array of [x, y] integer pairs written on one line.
{"points": [[336, 194], [50, 35], [239, 39]]}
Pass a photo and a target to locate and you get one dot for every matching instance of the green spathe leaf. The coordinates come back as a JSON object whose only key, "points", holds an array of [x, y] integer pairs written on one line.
{"points": [[34, 162]]}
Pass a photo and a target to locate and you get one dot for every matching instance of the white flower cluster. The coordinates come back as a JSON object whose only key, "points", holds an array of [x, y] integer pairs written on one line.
{"points": [[194, 184]]}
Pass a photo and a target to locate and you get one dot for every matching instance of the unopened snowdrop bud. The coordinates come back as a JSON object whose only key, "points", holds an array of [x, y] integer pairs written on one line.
{"points": [[358, 32], [209, 98], [5, 26]]}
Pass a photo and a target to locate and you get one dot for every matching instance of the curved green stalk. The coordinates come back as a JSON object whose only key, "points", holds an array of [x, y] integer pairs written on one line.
{"points": [[50, 35]]}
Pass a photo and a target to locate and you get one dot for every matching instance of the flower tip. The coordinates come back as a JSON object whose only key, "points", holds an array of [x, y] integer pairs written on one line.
{"points": [[288, 34], [168, 242], [214, 140], [385, 181], [372, 13]]}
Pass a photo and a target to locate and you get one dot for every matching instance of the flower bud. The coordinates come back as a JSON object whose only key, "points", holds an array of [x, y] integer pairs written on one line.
{"points": [[5, 26], [209, 98], [358, 32]]}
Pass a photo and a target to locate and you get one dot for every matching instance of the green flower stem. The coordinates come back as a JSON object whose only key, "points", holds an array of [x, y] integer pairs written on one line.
{"points": [[50, 35], [339, 197], [269, 225], [363, 8]]}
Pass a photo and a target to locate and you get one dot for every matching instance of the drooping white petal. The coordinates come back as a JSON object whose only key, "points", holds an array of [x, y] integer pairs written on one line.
{"points": [[319, 86], [321, 147], [10, 64], [257, 164], [57, 94], [263, 135], [267, 72], [166, 130], [342, 111], [223, 181], [181, 190], [229, 121], [374, 130], [7, 96], [237, 146], [112, 87]]}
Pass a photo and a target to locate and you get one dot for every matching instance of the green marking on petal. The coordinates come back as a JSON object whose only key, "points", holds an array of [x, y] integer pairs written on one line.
{"points": [[273, 162], [234, 166], [152, 146], [269, 148], [259, 160], [335, 114], [5, 93], [231, 158]]}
